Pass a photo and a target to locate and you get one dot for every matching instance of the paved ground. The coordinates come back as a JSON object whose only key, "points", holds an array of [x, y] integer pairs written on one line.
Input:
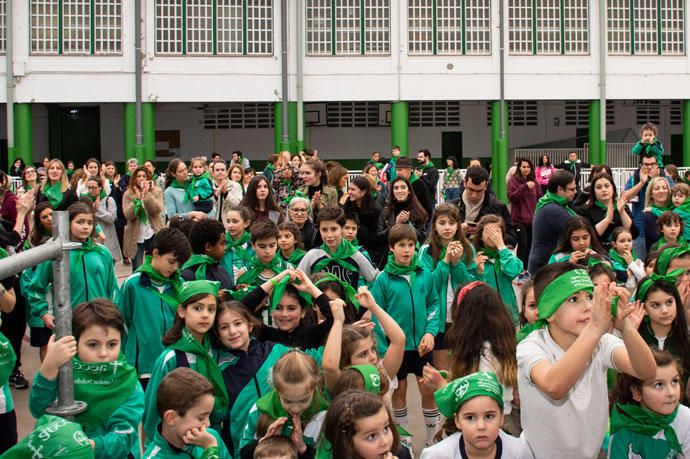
{"points": [[30, 365]]}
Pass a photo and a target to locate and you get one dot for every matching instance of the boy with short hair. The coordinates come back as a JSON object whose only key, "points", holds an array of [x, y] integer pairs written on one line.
{"points": [[265, 263], [207, 238], [649, 143], [670, 227], [679, 193], [337, 255], [563, 361], [406, 291], [275, 447], [184, 402], [149, 298], [102, 379]]}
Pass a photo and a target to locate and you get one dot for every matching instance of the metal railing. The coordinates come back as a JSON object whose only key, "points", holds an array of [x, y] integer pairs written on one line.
{"points": [[617, 154]]}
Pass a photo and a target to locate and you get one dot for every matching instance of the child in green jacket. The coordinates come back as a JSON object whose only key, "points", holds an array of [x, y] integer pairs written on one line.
{"points": [[266, 262], [184, 402], [98, 280], [238, 248], [200, 187], [149, 298], [407, 293], [102, 379], [207, 238]]}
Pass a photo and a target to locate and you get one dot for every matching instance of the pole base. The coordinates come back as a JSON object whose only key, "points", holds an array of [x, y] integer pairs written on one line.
{"points": [[67, 411]]}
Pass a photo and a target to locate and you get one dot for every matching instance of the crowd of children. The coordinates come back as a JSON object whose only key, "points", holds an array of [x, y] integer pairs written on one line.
{"points": [[232, 340]]}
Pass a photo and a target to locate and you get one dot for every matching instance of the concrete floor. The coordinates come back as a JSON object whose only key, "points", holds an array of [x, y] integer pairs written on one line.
{"points": [[31, 363]]}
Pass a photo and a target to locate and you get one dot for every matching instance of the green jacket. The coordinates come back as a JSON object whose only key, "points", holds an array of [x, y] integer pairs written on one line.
{"points": [[92, 277], [232, 262], [445, 277], [116, 438], [147, 318], [625, 444], [558, 257], [24, 281], [414, 308], [502, 280], [201, 186], [159, 448]]}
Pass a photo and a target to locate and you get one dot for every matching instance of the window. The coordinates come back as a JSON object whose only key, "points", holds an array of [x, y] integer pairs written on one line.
{"points": [[347, 27], [3, 25], [352, 114], [238, 116], [577, 112], [76, 27], [646, 27], [647, 111], [675, 114], [548, 27], [439, 113], [220, 27], [449, 27], [520, 113]]}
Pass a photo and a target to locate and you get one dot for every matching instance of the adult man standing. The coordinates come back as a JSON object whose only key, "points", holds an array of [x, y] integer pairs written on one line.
{"points": [[574, 166], [240, 160], [550, 217], [226, 192], [427, 172], [404, 169]]}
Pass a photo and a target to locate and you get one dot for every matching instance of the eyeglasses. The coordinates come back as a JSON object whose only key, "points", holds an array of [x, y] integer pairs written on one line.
{"points": [[299, 211], [30, 171], [92, 187]]}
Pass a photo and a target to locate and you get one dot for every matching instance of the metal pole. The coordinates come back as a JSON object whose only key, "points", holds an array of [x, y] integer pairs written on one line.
{"points": [[603, 49], [17, 263], [300, 78], [501, 62], [9, 57], [138, 139], [284, 135]]}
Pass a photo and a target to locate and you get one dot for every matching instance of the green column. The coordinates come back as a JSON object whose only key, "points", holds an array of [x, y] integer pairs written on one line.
{"points": [[301, 144], [400, 126], [130, 129], [686, 133], [292, 126], [23, 134], [147, 149], [292, 144], [594, 128], [148, 114], [499, 149]]}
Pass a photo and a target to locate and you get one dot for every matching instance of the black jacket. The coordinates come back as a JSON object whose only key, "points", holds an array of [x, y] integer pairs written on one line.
{"points": [[430, 178], [492, 206]]}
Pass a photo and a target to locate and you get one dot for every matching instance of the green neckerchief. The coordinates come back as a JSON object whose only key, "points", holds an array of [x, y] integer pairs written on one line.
{"points": [[349, 290], [665, 257], [192, 183], [236, 246], [492, 254], [87, 246], [205, 365], [645, 422], [371, 376], [413, 178], [53, 437], [174, 281], [295, 257], [256, 267], [554, 295], [681, 241], [617, 261], [271, 406], [550, 197], [202, 260], [104, 386], [643, 287], [426, 166], [53, 193], [7, 359], [101, 196], [657, 211], [139, 210], [393, 267], [182, 186], [344, 251], [270, 167], [279, 291]]}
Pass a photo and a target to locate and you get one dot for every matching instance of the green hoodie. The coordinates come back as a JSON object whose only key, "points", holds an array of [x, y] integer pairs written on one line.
{"points": [[499, 273], [118, 436], [159, 448]]}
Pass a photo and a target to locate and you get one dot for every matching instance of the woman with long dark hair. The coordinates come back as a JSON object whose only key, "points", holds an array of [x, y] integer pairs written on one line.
{"points": [[360, 202], [544, 171], [402, 207], [314, 176], [259, 199]]}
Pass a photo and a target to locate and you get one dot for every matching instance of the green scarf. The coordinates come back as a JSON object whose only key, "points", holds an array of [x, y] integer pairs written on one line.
{"points": [[53, 437], [271, 406], [201, 261], [7, 359], [236, 246], [87, 246], [426, 166], [256, 267], [349, 290], [682, 241], [101, 196], [344, 251], [295, 257], [104, 386], [617, 261], [393, 267], [657, 211], [205, 365], [53, 193], [492, 254], [413, 178], [684, 211], [139, 211], [645, 422], [550, 197], [182, 186], [174, 281], [665, 257]]}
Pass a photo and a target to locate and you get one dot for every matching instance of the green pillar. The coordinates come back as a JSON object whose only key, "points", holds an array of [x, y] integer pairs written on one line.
{"points": [[686, 133], [292, 144], [23, 134], [292, 127], [148, 113], [499, 149], [301, 144], [147, 149], [130, 129], [400, 126], [594, 128]]}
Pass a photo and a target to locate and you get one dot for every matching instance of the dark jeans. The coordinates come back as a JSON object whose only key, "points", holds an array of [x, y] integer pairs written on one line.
{"points": [[143, 248], [8, 427]]}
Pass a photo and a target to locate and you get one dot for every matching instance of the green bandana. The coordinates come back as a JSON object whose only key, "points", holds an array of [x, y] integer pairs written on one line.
{"points": [[237, 246], [397, 269], [349, 290], [174, 281], [618, 263], [279, 291], [643, 287], [665, 257], [681, 241], [656, 210], [371, 376], [271, 406], [426, 166], [88, 246], [256, 267], [550, 197], [492, 254], [413, 178], [104, 386], [295, 257], [53, 437], [101, 196], [201, 261], [453, 395], [182, 186], [205, 365], [139, 211], [602, 206], [197, 287], [53, 193], [344, 251], [555, 294], [645, 422], [297, 194], [7, 359]]}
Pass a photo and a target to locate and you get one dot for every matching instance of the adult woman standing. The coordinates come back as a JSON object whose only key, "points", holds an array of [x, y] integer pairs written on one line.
{"points": [[298, 213], [544, 172], [92, 168], [153, 172], [360, 202], [315, 188], [29, 181], [236, 174], [657, 201], [337, 178], [55, 188], [402, 207], [118, 191], [17, 168], [523, 192], [451, 179], [176, 202], [605, 211], [379, 191], [259, 199], [286, 180], [106, 213], [142, 205]]}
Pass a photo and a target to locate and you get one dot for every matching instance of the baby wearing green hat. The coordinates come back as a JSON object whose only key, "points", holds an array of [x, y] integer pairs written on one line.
{"points": [[475, 403], [564, 356]]}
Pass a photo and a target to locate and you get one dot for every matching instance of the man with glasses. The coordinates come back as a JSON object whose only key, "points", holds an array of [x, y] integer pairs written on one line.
{"points": [[635, 193], [553, 212]]}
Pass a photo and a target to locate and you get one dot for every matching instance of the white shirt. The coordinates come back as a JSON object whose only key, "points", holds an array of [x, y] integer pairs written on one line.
{"points": [[449, 448], [573, 427]]}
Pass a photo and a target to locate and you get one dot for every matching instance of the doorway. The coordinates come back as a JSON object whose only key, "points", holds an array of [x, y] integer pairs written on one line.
{"points": [[75, 133], [451, 145]]}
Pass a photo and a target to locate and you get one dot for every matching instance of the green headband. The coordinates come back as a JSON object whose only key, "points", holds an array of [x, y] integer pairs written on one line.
{"points": [[350, 292], [665, 257], [646, 283], [453, 395], [555, 294], [279, 291], [372, 378], [197, 287]]}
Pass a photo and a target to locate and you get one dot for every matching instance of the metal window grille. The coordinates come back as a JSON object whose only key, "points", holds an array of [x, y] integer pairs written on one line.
{"points": [[438, 113], [347, 27], [576, 113], [449, 27], [319, 27], [45, 35], [3, 25], [229, 25], [216, 118], [260, 27], [169, 27], [420, 27], [76, 23], [648, 111], [199, 27], [477, 26], [520, 27], [108, 26], [377, 27], [352, 114], [238, 116], [645, 27], [523, 113], [618, 26], [576, 27], [675, 113], [610, 113], [548, 26], [672, 34]]}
